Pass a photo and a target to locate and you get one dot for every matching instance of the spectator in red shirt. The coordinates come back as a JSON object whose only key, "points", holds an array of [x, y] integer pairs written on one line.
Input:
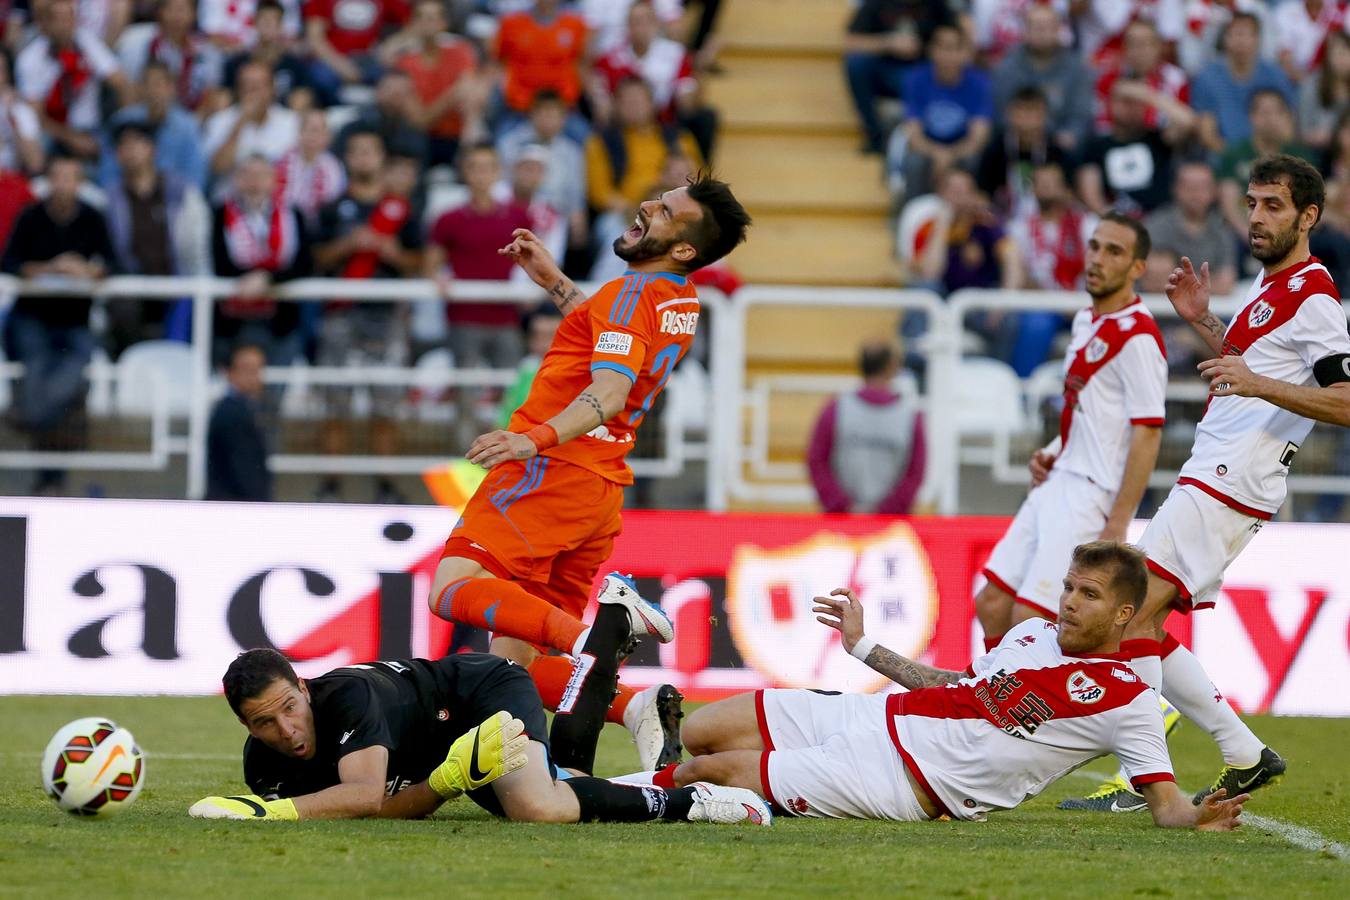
{"points": [[468, 239], [667, 68], [867, 450], [1143, 61], [443, 68], [541, 49], [342, 35]]}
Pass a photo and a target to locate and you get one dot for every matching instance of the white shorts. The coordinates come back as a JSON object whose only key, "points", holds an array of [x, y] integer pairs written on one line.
{"points": [[1033, 556], [831, 756], [1190, 542]]}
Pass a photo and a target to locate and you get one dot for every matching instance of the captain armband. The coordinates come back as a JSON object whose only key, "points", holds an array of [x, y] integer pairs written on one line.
{"points": [[1332, 370]]}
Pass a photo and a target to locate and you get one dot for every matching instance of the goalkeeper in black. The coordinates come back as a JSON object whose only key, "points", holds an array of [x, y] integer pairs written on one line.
{"points": [[396, 739]]}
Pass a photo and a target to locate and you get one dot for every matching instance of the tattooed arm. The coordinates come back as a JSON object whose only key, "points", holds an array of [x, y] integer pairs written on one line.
{"points": [[846, 617], [593, 407], [532, 256], [1189, 292]]}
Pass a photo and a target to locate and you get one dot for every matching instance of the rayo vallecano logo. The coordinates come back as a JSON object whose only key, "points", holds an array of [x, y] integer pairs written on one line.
{"points": [[1096, 349], [1262, 311], [768, 604], [1083, 689]]}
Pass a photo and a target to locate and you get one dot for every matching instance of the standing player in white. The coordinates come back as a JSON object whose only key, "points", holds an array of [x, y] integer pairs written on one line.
{"points": [[1087, 484], [1049, 698], [1282, 364]]}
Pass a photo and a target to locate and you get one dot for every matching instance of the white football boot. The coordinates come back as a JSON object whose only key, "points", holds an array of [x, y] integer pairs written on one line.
{"points": [[728, 806], [653, 717], [643, 617]]}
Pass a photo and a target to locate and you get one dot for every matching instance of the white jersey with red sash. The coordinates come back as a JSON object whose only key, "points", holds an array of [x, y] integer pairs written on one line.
{"points": [[1027, 715], [1115, 377], [1243, 447]]}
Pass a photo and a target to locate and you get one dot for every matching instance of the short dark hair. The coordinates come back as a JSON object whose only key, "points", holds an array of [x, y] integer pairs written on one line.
{"points": [[1129, 578], [546, 96], [1306, 187], [244, 347], [274, 5], [723, 223], [361, 129], [1142, 242], [138, 127], [1260, 93], [545, 310], [253, 672], [1029, 93], [876, 356]]}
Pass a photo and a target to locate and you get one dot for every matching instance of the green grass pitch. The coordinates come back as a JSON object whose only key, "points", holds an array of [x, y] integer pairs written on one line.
{"points": [[153, 850]]}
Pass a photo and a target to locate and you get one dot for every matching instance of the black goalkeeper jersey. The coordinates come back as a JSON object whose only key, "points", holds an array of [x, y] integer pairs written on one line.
{"points": [[414, 708]]}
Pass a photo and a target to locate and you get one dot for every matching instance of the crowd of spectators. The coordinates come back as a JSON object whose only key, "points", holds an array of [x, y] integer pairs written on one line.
{"points": [[269, 140], [1029, 118]]}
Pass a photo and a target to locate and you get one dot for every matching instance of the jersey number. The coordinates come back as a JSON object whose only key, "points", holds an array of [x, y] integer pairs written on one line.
{"points": [[664, 364]]}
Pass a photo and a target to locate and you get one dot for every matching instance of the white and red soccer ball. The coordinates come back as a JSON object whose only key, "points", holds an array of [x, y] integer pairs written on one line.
{"points": [[93, 767]]}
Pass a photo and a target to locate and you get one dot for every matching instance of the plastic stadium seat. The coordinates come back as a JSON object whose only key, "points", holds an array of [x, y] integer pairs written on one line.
{"points": [[988, 397], [102, 375], [918, 220], [150, 366], [689, 395], [1044, 382]]}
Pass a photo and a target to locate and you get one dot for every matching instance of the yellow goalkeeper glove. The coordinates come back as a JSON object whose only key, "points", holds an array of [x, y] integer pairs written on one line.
{"points": [[247, 806], [481, 756]]}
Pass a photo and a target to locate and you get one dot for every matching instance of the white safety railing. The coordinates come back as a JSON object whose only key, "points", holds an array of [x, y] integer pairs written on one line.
{"points": [[680, 443]]}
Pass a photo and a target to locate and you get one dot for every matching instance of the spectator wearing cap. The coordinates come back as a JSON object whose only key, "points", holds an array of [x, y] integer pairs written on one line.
{"points": [[178, 144], [275, 48], [1043, 61], [59, 239], [564, 186], [61, 72], [261, 241], [867, 451], [885, 39], [254, 126], [949, 111], [343, 37], [158, 224], [196, 64], [443, 67], [394, 115], [1221, 90]]}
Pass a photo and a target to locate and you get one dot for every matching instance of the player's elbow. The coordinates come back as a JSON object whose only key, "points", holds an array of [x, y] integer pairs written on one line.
{"points": [[366, 801]]}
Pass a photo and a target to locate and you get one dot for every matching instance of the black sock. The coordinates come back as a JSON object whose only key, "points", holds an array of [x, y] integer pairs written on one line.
{"points": [[595, 677], [602, 800]]}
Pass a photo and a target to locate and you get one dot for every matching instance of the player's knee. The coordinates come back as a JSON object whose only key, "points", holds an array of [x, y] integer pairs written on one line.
{"points": [[700, 768], [539, 807], [697, 733], [450, 572]]}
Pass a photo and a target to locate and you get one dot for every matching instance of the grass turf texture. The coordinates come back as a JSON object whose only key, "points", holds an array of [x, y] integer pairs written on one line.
{"points": [[154, 849]]}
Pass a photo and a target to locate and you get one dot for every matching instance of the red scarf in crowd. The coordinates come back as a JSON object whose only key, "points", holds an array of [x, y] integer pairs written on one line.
{"points": [[181, 60], [248, 254], [68, 84], [387, 220], [1069, 253]]}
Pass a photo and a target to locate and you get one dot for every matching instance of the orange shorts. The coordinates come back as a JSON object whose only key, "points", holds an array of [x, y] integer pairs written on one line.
{"points": [[544, 523]]}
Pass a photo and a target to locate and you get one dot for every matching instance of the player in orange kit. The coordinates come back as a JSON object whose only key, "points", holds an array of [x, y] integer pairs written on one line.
{"points": [[522, 559]]}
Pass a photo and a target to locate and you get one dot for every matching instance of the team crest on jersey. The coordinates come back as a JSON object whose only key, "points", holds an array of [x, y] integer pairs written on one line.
{"points": [[1296, 282], [1262, 311], [1083, 689], [1096, 349]]}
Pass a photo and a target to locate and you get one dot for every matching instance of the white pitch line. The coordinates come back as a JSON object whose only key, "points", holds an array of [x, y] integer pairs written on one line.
{"points": [[1303, 838]]}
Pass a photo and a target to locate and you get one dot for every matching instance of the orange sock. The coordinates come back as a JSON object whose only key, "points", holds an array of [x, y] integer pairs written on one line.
{"points": [[551, 674], [504, 607]]}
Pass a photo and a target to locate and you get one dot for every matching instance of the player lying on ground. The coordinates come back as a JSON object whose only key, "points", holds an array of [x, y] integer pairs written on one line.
{"points": [[1280, 365], [522, 560], [1046, 700], [396, 739]]}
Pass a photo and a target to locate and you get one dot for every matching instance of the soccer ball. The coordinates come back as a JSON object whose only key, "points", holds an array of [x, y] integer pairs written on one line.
{"points": [[92, 767]]}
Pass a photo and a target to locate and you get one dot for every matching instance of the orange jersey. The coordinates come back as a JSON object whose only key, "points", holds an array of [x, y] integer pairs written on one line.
{"points": [[639, 325]]}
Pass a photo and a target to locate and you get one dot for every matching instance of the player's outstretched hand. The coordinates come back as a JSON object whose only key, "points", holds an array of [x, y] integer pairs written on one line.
{"points": [[1188, 290], [528, 252], [843, 615], [1218, 814], [1230, 376], [1040, 465], [481, 756], [246, 806], [497, 447]]}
